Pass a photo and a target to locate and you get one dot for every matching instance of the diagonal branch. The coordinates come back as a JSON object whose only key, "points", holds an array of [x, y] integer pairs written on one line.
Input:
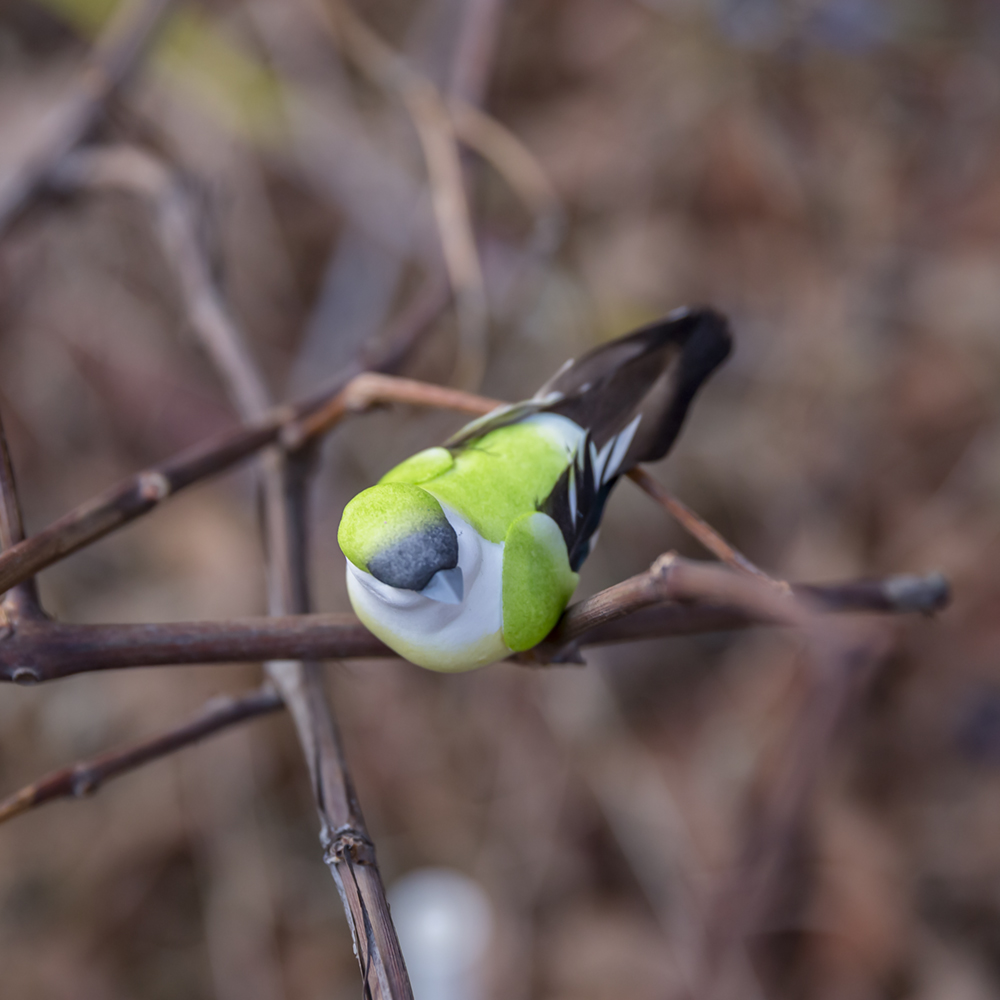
{"points": [[142, 492], [697, 527], [87, 776], [22, 601]]}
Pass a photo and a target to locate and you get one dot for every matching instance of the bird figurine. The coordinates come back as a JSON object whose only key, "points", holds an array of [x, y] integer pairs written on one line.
{"points": [[468, 552]]}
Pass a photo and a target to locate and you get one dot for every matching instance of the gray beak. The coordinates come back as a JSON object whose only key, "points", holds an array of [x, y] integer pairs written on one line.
{"points": [[446, 586]]}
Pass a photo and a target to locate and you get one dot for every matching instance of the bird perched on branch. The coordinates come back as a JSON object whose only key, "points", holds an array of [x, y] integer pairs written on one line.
{"points": [[468, 552]]}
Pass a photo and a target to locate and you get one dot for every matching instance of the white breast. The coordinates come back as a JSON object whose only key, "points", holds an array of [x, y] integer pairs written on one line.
{"points": [[435, 634]]}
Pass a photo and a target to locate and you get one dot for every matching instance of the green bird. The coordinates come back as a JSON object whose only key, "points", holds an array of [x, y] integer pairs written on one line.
{"points": [[468, 552]]}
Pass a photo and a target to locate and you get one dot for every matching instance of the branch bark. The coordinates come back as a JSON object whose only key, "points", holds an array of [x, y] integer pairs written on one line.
{"points": [[22, 601], [142, 492], [86, 776], [651, 605], [348, 850]]}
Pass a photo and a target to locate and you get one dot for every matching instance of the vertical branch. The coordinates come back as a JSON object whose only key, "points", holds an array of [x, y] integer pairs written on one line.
{"points": [[348, 849], [21, 601]]}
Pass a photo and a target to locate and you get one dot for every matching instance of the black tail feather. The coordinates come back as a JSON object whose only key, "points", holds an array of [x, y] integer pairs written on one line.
{"points": [[653, 373]]}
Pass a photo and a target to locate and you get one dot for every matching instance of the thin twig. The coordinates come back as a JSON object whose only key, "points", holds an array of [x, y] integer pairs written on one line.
{"points": [[45, 651], [22, 601], [140, 493], [673, 579], [697, 527], [86, 776], [114, 58], [371, 389]]}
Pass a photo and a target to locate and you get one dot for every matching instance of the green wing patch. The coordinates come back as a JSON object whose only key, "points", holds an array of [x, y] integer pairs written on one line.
{"points": [[537, 580], [500, 477]]}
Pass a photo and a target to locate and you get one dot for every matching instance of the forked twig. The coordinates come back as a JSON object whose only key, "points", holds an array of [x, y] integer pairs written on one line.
{"points": [[697, 527], [86, 776], [372, 389], [140, 493]]}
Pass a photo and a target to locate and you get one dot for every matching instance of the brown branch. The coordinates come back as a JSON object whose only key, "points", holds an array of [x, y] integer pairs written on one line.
{"points": [[348, 849], [135, 496], [697, 527], [370, 389], [86, 776], [893, 595], [113, 60], [142, 492], [45, 651], [672, 579], [22, 601]]}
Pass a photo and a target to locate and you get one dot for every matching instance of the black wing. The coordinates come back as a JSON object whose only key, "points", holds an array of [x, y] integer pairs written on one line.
{"points": [[652, 374], [630, 396]]}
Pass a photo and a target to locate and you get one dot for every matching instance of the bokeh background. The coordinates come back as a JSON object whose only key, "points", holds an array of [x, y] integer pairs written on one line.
{"points": [[826, 172]]}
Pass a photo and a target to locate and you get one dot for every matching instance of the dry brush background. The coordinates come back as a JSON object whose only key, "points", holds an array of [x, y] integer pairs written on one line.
{"points": [[825, 171]]}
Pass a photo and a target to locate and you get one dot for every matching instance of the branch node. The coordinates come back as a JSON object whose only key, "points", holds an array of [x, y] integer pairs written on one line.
{"points": [[662, 565], [153, 486], [84, 782], [25, 676], [351, 845]]}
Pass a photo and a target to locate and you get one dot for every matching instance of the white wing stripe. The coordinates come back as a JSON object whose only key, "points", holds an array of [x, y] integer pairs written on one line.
{"points": [[572, 494], [622, 441], [600, 459]]}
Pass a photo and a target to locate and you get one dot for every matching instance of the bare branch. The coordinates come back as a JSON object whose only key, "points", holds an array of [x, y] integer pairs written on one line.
{"points": [[370, 389], [348, 849], [113, 60], [22, 601], [893, 595], [140, 493], [87, 776], [697, 527], [134, 497], [645, 607]]}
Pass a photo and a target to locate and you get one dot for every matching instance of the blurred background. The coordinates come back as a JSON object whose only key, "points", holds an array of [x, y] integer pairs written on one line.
{"points": [[825, 171]]}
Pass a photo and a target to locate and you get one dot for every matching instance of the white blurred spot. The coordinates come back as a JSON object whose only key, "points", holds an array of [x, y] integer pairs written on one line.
{"points": [[444, 920]]}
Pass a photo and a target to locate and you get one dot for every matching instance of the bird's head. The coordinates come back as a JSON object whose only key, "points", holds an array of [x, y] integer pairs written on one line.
{"points": [[399, 534]]}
